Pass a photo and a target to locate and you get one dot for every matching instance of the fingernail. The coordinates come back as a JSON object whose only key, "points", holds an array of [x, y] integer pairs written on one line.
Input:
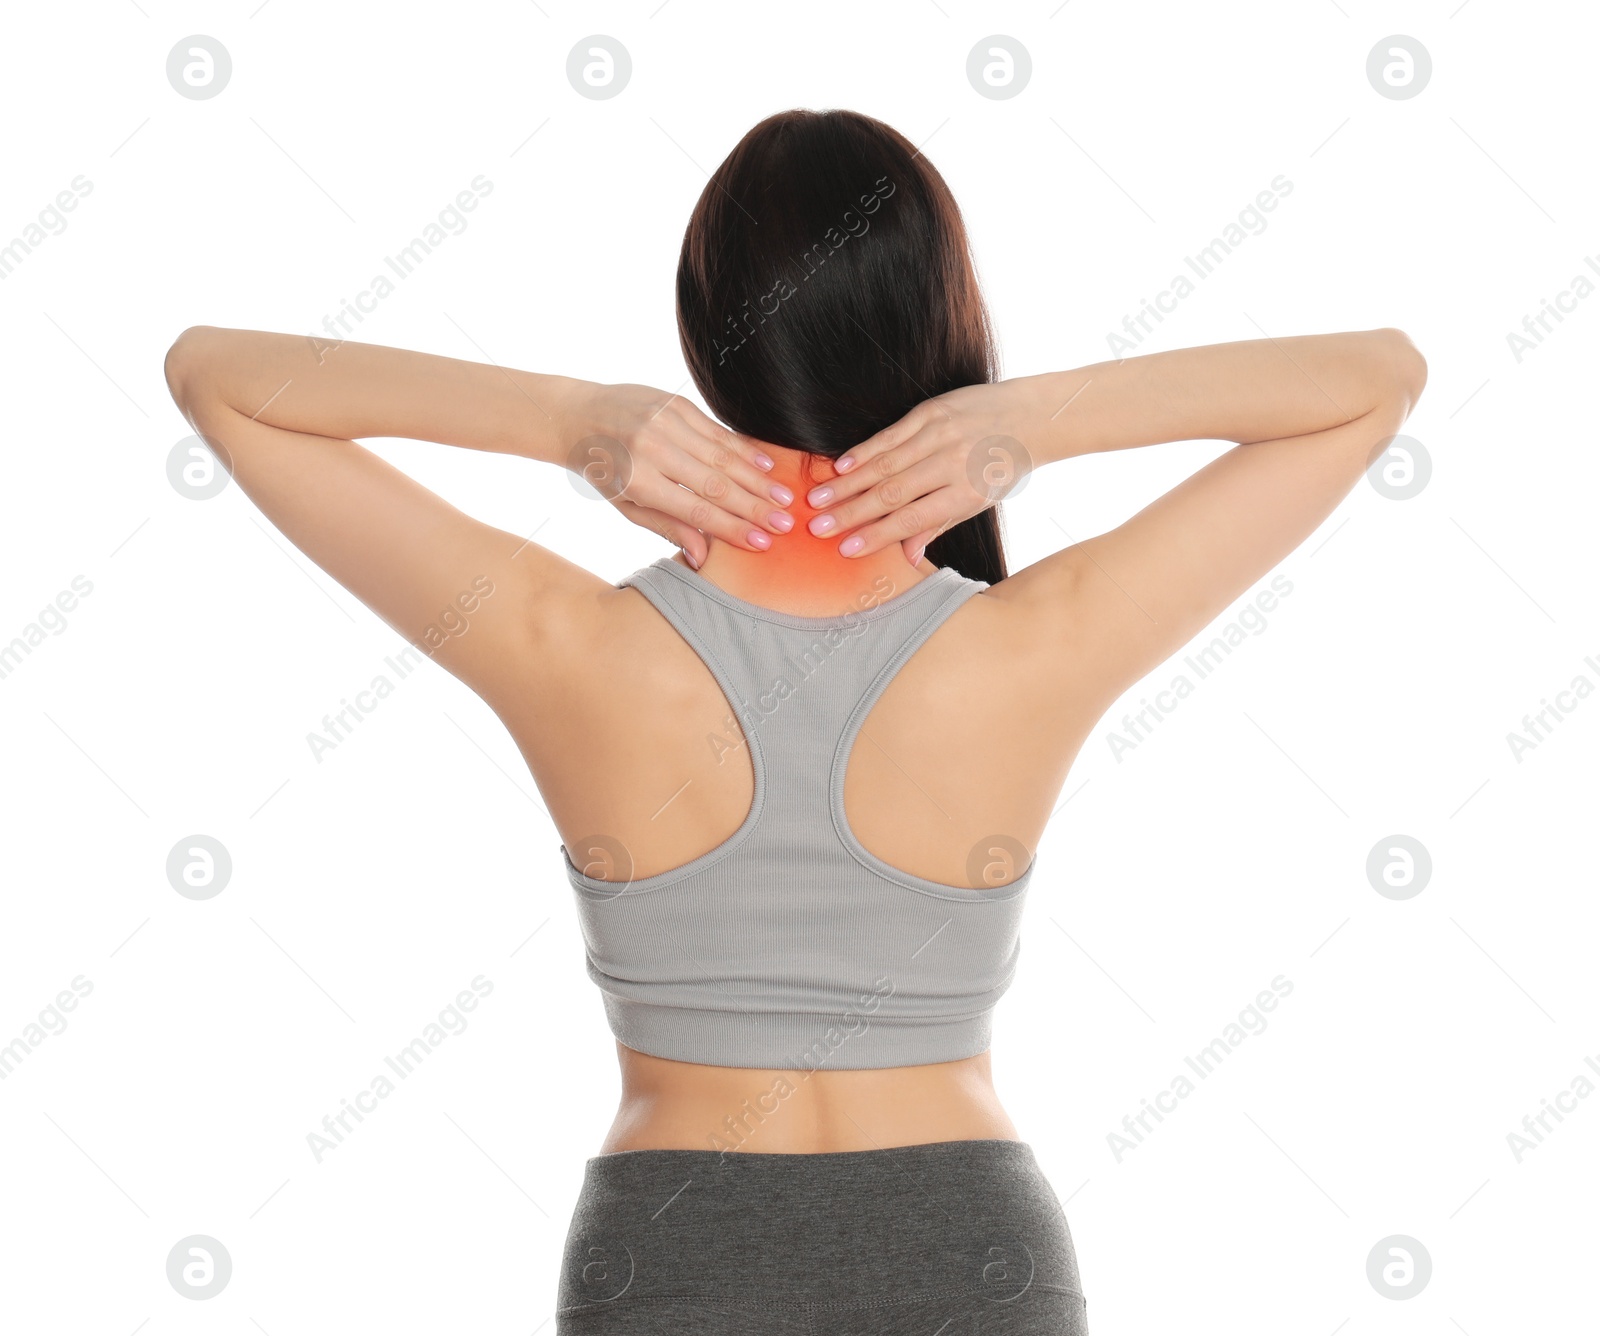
{"points": [[781, 520], [762, 462], [852, 545], [821, 496], [844, 464], [690, 558], [918, 555], [781, 494], [822, 524], [759, 539]]}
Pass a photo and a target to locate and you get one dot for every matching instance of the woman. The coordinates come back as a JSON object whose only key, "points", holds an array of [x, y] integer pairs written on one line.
{"points": [[799, 768]]}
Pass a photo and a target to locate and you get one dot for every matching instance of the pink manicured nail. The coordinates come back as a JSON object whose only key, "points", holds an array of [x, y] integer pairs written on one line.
{"points": [[822, 524], [689, 557], [759, 539], [781, 520], [762, 462], [821, 496], [845, 464], [781, 494], [852, 545]]}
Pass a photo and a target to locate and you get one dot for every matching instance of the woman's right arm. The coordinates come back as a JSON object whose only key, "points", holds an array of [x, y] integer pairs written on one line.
{"points": [[1308, 414]]}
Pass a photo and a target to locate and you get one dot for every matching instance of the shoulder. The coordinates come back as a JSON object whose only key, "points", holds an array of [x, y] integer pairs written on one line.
{"points": [[1038, 631], [568, 616], [568, 603], [1038, 605]]}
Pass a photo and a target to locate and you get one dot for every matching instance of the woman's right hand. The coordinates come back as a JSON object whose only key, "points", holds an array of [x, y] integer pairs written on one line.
{"points": [[948, 459], [669, 468]]}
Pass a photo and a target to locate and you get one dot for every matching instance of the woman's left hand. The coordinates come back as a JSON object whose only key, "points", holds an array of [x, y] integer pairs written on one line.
{"points": [[948, 459]]}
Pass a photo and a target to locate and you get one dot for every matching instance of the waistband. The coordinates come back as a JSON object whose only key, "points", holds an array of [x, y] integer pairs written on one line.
{"points": [[834, 1229], [981, 1153]]}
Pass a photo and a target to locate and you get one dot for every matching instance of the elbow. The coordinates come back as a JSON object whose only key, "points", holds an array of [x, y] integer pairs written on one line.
{"points": [[185, 365], [1405, 368]]}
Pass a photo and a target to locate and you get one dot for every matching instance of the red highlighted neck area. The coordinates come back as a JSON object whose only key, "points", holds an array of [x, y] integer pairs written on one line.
{"points": [[801, 573]]}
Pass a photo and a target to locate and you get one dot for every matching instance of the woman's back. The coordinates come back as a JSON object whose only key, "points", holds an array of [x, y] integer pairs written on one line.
{"points": [[967, 740], [837, 948]]}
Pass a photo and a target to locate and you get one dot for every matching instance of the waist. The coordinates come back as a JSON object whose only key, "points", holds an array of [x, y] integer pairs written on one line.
{"points": [[668, 1105]]}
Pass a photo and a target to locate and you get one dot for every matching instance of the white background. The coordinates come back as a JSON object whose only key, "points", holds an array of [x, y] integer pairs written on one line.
{"points": [[1174, 883]]}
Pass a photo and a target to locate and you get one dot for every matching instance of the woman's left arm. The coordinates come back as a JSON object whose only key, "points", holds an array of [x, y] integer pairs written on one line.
{"points": [[283, 412]]}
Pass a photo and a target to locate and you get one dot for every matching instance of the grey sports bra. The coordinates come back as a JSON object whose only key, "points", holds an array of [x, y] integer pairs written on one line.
{"points": [[791, 946]]}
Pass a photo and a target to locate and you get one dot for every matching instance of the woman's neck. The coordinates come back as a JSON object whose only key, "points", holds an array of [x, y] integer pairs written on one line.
{"points": [[802, 574]]}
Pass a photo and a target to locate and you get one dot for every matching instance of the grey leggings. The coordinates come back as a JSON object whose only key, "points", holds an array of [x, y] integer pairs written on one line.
{"points": [[947, 1239]]}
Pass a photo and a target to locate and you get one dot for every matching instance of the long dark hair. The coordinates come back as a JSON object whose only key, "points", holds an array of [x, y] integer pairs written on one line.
{"points": [[825, 288]]}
